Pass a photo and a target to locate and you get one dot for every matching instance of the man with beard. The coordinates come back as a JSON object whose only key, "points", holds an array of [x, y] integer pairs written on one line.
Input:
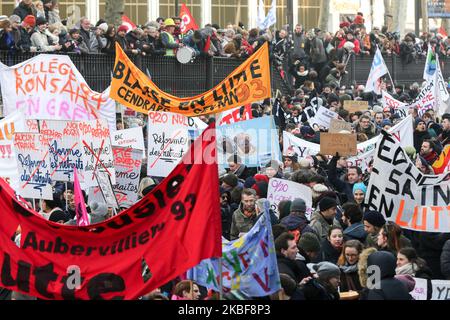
{"points": [[245, 216], [299, 44], [444, 137]]}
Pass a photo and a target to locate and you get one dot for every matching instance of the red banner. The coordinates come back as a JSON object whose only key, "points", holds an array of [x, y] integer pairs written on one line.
{"points": [[187, 20], [172, 229]]}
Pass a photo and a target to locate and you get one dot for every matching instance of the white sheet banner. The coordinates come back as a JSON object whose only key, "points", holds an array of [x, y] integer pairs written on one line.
{"points": [[49, 86]]}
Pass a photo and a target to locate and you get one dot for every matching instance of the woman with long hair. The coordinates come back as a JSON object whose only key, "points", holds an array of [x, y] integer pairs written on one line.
{"points": [[348, 263], [390, 238]]}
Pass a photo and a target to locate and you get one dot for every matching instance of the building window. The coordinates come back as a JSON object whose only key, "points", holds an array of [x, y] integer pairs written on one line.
{"points": [[308, 13], [229, 11]]}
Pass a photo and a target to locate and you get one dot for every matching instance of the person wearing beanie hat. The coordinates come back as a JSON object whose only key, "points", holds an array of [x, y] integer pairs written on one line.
{"points": [[40, 38], [325, 287], [298, 205], [407, 280], [122, 28], [359, 192], [387, 287], [29, 21], [272, 169], [373, 222], [323, 219], [284, 208], [386, 124], [317, 190], [296, 221], [411, 153], [261, 178], [229, 181], [103, 26]]}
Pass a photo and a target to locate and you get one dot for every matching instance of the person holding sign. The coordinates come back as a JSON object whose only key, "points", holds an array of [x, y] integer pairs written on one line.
{"points": [[354, 175], [366, 126]]}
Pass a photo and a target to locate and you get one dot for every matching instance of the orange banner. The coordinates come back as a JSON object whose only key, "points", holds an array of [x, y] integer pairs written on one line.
{"points": [[442, 163], [248, 83]]}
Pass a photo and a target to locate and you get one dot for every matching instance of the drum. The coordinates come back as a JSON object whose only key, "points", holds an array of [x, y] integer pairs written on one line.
{"points": [[185, 55]]}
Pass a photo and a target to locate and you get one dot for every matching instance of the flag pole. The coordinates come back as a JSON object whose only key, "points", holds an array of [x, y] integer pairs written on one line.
{"points": [[389, 74]]}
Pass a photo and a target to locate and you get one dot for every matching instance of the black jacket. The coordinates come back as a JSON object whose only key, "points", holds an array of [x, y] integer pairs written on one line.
{"points": [[315, 290], [445, 260], [289, 267], [22, 10], [340, 185], [350, 281], [389, 288], [24, 43], [328, 252], [419, 136]]}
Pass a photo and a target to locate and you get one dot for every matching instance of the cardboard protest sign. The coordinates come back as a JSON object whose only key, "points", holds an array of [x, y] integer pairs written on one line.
{"points": [[337, 126], [62, 138], [34, 166], [441, 289], [344, 143], [129, 138], [253, 141], [128, 164], [281, 189], [247, 83], [49, 86], [322, 118], [420, 290], [97, 151], [111, 254], [168, 140], [403, 194], [106, 188], [353, 106], [255, 273]]}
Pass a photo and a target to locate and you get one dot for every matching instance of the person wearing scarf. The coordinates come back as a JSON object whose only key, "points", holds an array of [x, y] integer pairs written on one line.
{"points": [[348, 263]]}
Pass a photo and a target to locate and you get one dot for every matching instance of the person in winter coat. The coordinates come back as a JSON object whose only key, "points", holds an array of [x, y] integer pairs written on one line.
{"points": [[75, 43], [445, 260], [296, 222], [331, 247], [444, 136], [373, 222], [325, 287], [390, 238], [6, 37], [323, 219], [25, 30], [420, 134], [408, 263], [354, 175], [387, 287], [317, 51], [299, 72], [359, 193], [110, 40], [245, 216], [226, 213], [24, 9], [39, 38], [348, 263], [91, 38], [366, 126], [349, 37], [286, 250], [352, 217]]}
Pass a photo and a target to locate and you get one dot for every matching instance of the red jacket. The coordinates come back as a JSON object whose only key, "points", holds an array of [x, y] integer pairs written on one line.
{"points": [[356, 49]]}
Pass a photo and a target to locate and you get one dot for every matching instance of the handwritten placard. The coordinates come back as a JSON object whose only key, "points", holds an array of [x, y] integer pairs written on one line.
{"points": [[322, 118], [34, 166], [128, 164], [168, 141], [281, 189], [353, 106], [344, 143], [129, 138], [337, 126]]}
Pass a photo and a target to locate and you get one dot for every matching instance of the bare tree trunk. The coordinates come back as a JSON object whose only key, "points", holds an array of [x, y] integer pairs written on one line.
{"points": [[388, 17], [424, 7], [399, 13], [113, 11], [324, 14]]}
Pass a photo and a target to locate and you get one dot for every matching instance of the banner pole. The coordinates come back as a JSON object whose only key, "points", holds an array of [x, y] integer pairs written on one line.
{"points": [[34, 204], [67, 203]]}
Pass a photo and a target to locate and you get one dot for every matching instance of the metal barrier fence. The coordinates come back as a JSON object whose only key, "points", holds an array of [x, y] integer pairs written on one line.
{"points": [[204, 73]]}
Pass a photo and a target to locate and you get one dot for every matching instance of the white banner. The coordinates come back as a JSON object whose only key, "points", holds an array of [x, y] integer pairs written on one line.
{"points": [[420, 290], [403, 194], [377, 70], [441, 290], [402, 131], [281, 189], [98, 154], [168, 141], [49, 86], [34, 166], [128, 164], [426, 99]]}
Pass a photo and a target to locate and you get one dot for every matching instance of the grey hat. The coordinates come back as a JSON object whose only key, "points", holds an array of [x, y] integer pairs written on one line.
{"points": [[326, 270], [98, 209], [15, 18], [298, 205], [377, 108]]}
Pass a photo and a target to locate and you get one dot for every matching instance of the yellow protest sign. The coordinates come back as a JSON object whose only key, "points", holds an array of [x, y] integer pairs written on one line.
{"points": [[248, 83]]}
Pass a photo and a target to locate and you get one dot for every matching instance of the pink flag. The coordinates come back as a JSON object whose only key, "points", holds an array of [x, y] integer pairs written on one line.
{"points": [[80, 207]]}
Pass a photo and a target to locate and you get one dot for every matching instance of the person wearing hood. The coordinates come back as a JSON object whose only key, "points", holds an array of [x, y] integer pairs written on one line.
{"points": [[420, 133], [325, 287], [348, 263], [331, 247], [408, 263], [296, 222], [352, 217], [324, 219], [386, 287]]}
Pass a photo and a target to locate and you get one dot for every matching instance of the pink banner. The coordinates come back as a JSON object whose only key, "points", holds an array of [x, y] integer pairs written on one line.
{"points": [[80, 206]]}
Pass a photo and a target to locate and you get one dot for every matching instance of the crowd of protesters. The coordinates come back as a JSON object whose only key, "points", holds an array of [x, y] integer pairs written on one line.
{"points": [[321, 256]]}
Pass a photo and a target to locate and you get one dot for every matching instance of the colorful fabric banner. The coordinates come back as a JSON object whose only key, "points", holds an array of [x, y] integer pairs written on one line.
{"points": [[249, 264], [247, 83], [403, 194], [234, 115], [168, 140], [49, 86], [442, 164], [254, 141], [377, 70], [80, 207], [166, 230], [34, 166], [187, 20]]}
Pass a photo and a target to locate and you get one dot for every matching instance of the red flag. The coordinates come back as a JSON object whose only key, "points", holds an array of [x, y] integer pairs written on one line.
{"points": [[207, 44], [442, 32], [128, 23], [187, 21], [80, 206]]}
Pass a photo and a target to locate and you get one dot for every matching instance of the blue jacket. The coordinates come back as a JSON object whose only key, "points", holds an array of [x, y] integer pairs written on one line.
{"points": [[355, 232]]}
